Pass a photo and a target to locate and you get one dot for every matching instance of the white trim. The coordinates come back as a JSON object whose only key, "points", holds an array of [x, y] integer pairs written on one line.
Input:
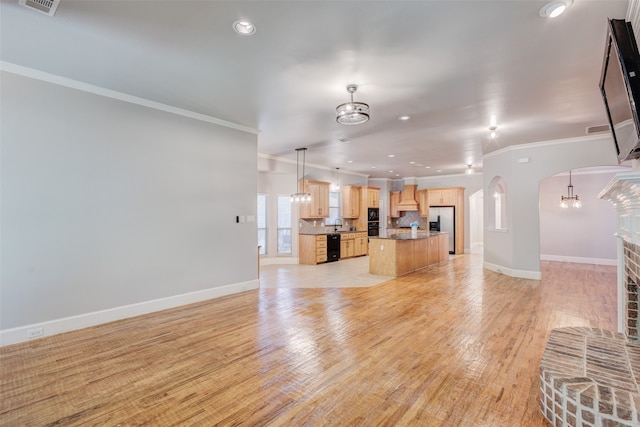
{"points": [[279, 260], [579, 260], [72, 323], [542, 144], [108, 93], [525, 274], [498, 230]]}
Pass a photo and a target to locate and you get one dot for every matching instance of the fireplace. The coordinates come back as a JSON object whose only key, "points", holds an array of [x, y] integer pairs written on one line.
{"points": [[631, 278], [590, 377]]}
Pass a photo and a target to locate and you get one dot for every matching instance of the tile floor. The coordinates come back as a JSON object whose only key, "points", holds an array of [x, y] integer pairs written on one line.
{"points": [[348, 273]]}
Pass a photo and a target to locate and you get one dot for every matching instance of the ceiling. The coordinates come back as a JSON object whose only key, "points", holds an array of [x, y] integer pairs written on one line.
{"points": [[450, 65]]}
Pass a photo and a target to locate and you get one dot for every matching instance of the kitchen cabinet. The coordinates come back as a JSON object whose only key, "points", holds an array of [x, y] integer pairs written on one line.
{"points": [[394, 200], [347, 245], [395, 257], [361, 246], [319, 205], [442, 196], [373, 197], [443, 247], [452, 196], [353, 244], [369, 198], [350, 201], [313, 248], [423, 201], [433, 248]]}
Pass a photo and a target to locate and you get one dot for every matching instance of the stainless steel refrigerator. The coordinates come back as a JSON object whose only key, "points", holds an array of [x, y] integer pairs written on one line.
{"points": [[443, 219]]}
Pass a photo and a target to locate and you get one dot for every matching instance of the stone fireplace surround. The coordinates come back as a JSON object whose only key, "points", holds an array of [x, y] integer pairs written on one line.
{"points": [[589, 377]]}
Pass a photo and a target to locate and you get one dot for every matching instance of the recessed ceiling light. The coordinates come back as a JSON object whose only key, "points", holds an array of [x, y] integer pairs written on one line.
{"points": [[427, 167], [373, 167], [412, 163], [391, 155], [397, 174], [390, 171], [555, 8], [349, 161], [404, 118], [439, 170], [243, 27]]}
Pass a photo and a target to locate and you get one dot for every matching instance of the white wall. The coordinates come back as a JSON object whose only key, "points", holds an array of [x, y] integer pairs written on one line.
{"points": [[476, 219], [108, 204], [578, 235], [516, 251]]}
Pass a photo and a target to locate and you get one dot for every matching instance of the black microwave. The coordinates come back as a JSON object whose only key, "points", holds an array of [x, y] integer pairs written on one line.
{"points": [[374, 214]]}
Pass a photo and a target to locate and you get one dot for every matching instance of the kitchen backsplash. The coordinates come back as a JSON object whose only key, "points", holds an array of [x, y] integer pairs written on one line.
{"points": [[311, 226], [406, 220]]}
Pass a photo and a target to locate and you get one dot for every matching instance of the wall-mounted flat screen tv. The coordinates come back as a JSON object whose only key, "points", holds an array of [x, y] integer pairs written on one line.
{"points": [[620, 88]]}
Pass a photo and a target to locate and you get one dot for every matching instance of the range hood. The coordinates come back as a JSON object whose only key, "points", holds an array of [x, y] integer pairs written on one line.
{"points": [[408, 199]]}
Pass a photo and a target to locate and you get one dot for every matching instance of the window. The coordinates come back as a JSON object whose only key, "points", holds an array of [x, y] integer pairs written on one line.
{"points": [[334, 209], [284, 224], [262, 223]]}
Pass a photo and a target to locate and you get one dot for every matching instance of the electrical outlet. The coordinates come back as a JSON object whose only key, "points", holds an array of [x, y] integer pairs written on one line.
{"points": [[35, 333]]}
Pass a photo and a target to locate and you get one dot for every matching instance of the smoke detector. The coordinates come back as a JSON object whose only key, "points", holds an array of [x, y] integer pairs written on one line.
{"points": [[45, 6]]}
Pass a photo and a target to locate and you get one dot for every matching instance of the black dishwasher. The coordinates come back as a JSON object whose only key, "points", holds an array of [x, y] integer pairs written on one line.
{"points": [[333, 247]]}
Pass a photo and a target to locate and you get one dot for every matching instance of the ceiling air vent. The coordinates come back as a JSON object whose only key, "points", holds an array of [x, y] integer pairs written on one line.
{"points": [[597, 129], [45, 6]]}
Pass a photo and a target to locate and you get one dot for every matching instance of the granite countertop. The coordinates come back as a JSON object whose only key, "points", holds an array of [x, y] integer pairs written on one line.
{"points": [[320, 233], [407, 236]]}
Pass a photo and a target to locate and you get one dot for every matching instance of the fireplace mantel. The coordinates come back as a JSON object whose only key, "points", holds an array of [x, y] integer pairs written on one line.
{"points": [[623, 191]]}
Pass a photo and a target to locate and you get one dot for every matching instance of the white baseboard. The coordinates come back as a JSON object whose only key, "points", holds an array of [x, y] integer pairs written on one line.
{"points": [[525, 274], [279, 260], [66, 324], [579, 260]]}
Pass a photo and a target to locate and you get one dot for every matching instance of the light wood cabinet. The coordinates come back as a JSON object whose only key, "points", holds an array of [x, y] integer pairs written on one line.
{"points": [[361, 246], [423, 200], [373, 197], [442, 196], [319, 205], [370, 198], [394, 200], [395, 257], [420, 253], [313, 249], [350, 201], [453, 196], [433, 249], [347, 245], [443, 247], [353, 244]]}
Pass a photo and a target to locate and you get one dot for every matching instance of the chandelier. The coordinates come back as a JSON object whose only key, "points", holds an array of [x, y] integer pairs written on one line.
{"points": [[335, 187], [352, 113], [576, 201], [300, 196]]}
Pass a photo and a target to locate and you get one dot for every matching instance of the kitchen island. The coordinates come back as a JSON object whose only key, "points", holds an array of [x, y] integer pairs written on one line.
{"points": [[401, 254]]}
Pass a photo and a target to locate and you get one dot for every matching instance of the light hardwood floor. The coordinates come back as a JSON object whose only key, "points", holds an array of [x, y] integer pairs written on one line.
{"points": [[454, 345]]}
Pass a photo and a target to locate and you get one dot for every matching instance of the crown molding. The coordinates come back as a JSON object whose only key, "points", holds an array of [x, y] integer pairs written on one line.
{"points": [[120, 96]]}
